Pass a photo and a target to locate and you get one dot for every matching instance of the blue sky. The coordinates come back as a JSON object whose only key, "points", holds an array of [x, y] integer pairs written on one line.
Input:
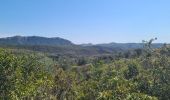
{"points": [[87, 21]]}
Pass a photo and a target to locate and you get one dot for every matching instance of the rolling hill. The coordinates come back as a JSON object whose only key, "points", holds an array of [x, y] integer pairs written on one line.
{"points": [[59, 46], [34, 40]]}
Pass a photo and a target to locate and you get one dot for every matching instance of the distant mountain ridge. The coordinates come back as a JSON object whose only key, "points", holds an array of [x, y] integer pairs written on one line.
{"points": [[57, 41], [128, 45], [59, 46], [34, 40]]}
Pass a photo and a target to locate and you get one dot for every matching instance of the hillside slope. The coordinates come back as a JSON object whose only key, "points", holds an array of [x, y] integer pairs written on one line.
{"points": [[34, 40]]}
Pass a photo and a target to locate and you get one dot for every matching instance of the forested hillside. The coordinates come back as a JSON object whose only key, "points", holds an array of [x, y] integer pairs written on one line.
{"points": [[33, 75], [59, 46], [34, 40]]}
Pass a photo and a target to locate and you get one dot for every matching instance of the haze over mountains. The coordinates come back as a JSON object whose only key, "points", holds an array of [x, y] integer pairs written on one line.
{"points": [[56, 41], [65, 47]]}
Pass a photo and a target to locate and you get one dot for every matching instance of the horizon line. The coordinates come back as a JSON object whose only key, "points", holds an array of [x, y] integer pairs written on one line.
{"points": [[1, 37]]}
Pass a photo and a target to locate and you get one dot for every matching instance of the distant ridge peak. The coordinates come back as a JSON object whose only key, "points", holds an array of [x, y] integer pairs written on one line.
{"points": [[34, 40]]}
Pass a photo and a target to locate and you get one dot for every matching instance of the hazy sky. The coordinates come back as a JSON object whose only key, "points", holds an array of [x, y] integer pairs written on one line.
{"points": [[84, 21]]}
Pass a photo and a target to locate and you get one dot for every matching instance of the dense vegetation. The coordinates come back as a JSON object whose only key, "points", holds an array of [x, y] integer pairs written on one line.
{"points": [[143, 75]]}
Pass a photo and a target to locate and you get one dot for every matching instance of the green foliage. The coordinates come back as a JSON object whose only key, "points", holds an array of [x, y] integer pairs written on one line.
{"points": [[33, 76], [64, 88], [132, 71], [21, 77]]}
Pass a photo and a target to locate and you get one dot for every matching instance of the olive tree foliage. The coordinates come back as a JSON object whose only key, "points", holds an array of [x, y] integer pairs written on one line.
{"points": [[115, 81], [155, 77], [21, 77], [64, 85]]}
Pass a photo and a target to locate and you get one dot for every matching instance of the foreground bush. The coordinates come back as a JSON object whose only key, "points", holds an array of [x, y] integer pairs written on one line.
{"points": [[21, 77]]}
